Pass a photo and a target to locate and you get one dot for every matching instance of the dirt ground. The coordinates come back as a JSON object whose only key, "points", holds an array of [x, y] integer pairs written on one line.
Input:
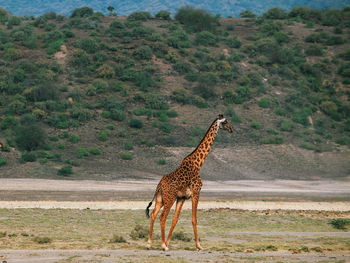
{"points": [[331, 197], [107, 256]]}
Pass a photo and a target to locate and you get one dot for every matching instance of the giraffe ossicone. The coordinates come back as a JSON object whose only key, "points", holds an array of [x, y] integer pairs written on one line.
{"points": [[182, 184]]}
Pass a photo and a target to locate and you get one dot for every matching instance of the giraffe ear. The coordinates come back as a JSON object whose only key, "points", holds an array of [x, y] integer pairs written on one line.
{"points": [[221, 116]]}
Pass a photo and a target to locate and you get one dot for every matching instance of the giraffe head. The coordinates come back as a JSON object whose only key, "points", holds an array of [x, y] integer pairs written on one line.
{"points": [[224, 124]]}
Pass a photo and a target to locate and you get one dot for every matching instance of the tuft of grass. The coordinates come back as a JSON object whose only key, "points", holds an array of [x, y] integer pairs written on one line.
{"points": [[181, 236], [3, 234], [42, 240], [126, 156], [139, 232], [117, 239], [340, 223]]}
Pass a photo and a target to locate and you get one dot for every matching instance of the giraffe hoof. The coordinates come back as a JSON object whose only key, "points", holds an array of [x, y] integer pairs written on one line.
{"points": [[165, 248], [199, 248], [149, 246]]}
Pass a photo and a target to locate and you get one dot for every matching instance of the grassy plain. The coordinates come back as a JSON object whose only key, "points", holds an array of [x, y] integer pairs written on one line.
{"points": [[220, 230]]}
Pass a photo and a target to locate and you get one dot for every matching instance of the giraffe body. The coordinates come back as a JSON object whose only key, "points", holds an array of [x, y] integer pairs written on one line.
{"points": [[182, 184]]}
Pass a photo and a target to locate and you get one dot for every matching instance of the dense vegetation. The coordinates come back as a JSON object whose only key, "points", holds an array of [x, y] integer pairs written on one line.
{"points": [[70, 85]]}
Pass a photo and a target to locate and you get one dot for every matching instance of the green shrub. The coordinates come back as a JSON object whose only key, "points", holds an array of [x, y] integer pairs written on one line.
{"points": [[300, 116], [128, 146], [144, 52], [2, 161], [117, 239], [28, 157], [256, 125], [314, 50], [139, 16], [29, 135], [182, 67], [156, 102], [206, 38], [103, 135], [345, 54], [308, 146], [95, 151], [275, 13], [74, 138], [117, 115], [136, 123], [196, 19], [247, 14], [264, 103], [65, 170], [286, 125], [82, 12], [163, 14], [233, 42], [82, 115], [161, 162], [82, 153], [126, 156], [344, 140], [340, 223]]}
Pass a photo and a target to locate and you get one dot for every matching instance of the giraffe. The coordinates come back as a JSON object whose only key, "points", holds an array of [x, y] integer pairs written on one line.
{"points": [[182, 184]]}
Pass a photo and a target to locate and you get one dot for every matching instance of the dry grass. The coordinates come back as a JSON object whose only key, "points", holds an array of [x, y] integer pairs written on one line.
{"points": [[220, 230]]}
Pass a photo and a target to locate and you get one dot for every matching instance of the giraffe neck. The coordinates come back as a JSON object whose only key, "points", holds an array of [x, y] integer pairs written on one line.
{"points": [[198, 156]]}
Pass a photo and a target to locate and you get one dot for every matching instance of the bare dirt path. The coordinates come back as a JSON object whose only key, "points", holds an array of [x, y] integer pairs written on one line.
{"points": [[123, 255], [135, 205], [277, 186]]}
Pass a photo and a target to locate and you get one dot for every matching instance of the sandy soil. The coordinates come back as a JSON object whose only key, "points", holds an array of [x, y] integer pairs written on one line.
{"points": [[50, 256], [134, 205], [276, 186]]}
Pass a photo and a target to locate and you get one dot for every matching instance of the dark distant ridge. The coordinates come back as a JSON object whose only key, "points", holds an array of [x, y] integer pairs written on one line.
{"points": [[124, 7]]}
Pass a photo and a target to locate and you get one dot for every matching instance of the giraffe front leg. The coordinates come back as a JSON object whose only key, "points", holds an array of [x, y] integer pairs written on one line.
{"points": [[195, 199], [154, 214]]}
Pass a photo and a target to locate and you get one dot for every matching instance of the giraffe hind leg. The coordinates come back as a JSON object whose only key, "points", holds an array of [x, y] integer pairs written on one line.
{"points": [[166, 209], [179, 204], [157, 207]]}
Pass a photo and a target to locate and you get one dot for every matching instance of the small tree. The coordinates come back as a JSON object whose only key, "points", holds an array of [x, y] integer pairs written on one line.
{"points": [[83, 12], [196, 19], [111, 10], [163, 14], [247, 14]]}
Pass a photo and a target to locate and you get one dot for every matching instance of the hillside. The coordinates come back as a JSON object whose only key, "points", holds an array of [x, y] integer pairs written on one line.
{"points": [[125, 7], [107, 97]]}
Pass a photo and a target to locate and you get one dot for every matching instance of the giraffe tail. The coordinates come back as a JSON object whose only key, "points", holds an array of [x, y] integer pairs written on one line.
{"points": [[147, 209]]}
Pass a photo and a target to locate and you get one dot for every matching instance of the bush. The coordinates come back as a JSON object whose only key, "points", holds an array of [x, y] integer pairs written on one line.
{"points": [[182, 67], [136, 123], [206, 38], [275, 13], [74, 138], [128, 146], [314, 50], [247, 14], [89, 45], [95, 151], [286, 125], [2, 161], [196, 19], [81, 153], [139, 16], [163, 14], [126, 156], [28, 157], [144, 52], [65, 170], [156, 102], [340, 223], [82, 12], [264, 103], [103, 135], [233, 42], [29, 135]]}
